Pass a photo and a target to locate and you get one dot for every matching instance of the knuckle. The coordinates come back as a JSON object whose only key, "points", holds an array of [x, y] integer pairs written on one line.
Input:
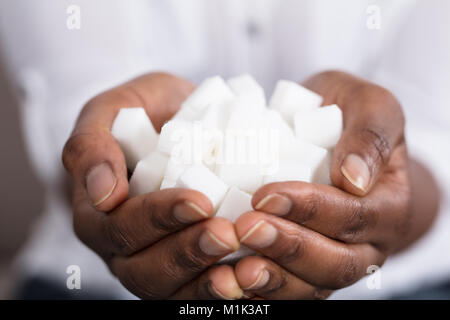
{"points": [[162, 223], [73, 149], [291, 250], [189, 260], [139, 286], [348, 270], [320, 293], [307, 208], [118, 237], [380, 145], [359, 220]]}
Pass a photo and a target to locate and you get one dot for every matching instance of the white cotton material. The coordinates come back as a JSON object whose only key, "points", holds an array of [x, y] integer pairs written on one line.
{"points": [[200, 178], [235, 203], [322, 126], [167, 184], [290, 98], [246, 86], [135, 134], [290, 171], [149, 173]]}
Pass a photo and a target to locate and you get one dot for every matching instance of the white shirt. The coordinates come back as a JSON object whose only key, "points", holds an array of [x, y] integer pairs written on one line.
{"points": [[57, 69]]}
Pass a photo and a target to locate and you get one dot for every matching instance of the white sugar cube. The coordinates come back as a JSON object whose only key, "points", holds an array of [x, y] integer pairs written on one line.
{"points": [[148, 174], [235, 203], [246, 85], [290, 171], [290, 98], [175, 168], [167, 184], [200, 178], [312, 156], [322, 173], [245, 114], [213, 90], [247, 177], [135, 134], [322, 126], [216, 117], [172, 133]]}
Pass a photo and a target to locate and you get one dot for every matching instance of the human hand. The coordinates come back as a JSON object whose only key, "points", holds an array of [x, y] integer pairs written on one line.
{"points": [[161, 244], [317, 238]]}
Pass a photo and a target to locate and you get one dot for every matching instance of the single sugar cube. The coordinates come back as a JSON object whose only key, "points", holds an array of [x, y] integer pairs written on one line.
{"points": [[216, 117], [175, 168], [312, 156], [173, 133], [246, 85], [290, 98], [322, 126], [149, 173], [322, 175], [200, 178], [290, 171], [247, 177], [167, 184], [235, 203], [213, 90], [135, 134], [239, 160]]}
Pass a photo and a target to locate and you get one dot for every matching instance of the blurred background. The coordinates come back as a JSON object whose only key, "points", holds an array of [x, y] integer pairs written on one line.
{"points": [[50, 66], [18, 213]]}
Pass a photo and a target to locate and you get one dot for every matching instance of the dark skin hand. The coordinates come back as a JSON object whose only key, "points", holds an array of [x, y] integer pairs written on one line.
{"points": [[162, 244], [318, 238], [313, 238]]}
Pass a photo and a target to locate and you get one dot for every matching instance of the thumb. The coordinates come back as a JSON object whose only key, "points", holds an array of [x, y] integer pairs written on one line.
{"points": [[373, 128], [93, 157]]}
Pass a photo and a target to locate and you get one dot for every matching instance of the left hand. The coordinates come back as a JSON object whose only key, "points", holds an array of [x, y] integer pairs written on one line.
{"points": [[317, 238]]}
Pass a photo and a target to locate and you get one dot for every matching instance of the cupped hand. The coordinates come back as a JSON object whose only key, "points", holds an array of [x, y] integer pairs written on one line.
{"points": [[318, 238], [160, 244]]}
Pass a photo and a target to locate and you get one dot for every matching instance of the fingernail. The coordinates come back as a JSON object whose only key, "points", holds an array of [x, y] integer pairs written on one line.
{"points": [[213, 246], [261, 235], [100, 183], [261, 280], [275, 204], [356, 171], [217, 293], [188, 211]]}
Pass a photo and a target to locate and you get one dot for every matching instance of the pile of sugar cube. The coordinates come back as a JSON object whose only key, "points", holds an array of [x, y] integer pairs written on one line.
{"points": [[226, 142]]}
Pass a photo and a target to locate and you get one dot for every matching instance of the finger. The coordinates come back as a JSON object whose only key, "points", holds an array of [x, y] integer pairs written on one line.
{"points": [[320, 261], [160, 270], [93, 157], [140, 221], [373, 127], [266, 279], [218, 282], [336, 213]]}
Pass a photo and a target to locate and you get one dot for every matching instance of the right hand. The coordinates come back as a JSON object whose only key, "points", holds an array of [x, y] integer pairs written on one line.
{"points": [[162, 244]]}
